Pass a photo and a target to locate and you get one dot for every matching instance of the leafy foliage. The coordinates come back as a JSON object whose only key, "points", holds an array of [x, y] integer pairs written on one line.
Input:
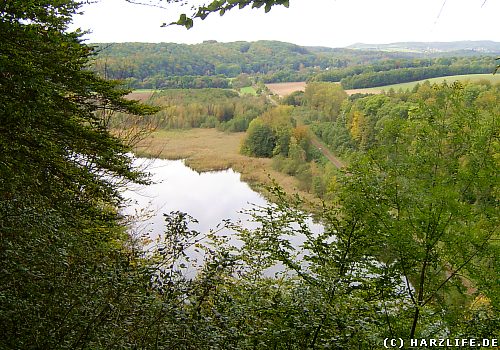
{"points": [[412, 233], [222, 6], [402, 75], [427, 188], [209, 64], [260, 140], [409, 244], [66, 263], [325, 98], [199, 108], [164, 65]]}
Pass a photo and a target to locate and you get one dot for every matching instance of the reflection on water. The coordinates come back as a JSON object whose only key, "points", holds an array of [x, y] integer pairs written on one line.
{"points": [[209, 197]]}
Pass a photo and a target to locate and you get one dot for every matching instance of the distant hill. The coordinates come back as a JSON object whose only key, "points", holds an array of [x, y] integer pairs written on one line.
{"points": [[478, 47], [149, 64], [214, 64]]}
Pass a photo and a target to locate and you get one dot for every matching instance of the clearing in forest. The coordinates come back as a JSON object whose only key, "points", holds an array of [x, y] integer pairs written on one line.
{"points": [[141, 94]]}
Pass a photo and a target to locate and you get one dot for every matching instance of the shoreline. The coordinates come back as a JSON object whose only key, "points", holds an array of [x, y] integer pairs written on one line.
{"points": [[207, 150]]}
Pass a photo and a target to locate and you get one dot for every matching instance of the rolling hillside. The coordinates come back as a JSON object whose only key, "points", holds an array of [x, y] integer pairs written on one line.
{"points": [[461, 47], [212, 64]]}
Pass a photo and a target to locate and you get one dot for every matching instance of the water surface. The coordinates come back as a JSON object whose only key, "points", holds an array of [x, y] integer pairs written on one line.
{"points": [[209, 197]]}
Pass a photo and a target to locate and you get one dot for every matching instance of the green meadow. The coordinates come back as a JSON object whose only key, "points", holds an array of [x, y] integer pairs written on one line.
{"points": [[492, 78], [248, 90]]}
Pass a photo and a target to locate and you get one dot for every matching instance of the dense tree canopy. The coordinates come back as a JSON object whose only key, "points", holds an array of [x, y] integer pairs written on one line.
{"points": [[420, 197], [209, 64], [409, 245], [194, 108], [60, 242], [430, 183]]}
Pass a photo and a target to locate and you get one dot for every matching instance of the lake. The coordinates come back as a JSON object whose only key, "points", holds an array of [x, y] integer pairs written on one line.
{"points": [[209, 197]]}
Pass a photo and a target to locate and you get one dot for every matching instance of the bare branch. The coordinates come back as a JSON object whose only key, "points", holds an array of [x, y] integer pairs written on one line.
{"points": [[157, 5]]}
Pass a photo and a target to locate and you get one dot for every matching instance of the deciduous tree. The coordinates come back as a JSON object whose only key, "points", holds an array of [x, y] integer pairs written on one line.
{"points": [[430, 187], [65, 257]]}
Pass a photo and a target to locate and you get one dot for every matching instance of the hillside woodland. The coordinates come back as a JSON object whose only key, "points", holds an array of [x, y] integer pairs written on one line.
{"points": [[211, 64], [409, 247]]}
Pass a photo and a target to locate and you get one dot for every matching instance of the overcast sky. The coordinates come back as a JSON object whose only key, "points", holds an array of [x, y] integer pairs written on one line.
{"points": [[332, 23]]}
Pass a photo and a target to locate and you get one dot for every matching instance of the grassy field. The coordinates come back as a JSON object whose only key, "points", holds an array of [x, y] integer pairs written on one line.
{"points": [[145, 94], [494, 79], [250, 90], [210, 149], [283, 89], [141, 94]]}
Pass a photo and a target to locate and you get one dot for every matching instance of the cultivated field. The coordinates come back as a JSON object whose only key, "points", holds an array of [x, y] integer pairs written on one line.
{"points": [[283, 89]]}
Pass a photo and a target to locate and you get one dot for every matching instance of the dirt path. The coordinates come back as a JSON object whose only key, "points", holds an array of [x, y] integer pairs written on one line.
{"points": [[272, 100], [321, 146], [325, 151]]}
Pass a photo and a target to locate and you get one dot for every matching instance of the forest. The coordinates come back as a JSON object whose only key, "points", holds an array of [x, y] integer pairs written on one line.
{"points": [[167, 65], [200, 108], [410, 241]]}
